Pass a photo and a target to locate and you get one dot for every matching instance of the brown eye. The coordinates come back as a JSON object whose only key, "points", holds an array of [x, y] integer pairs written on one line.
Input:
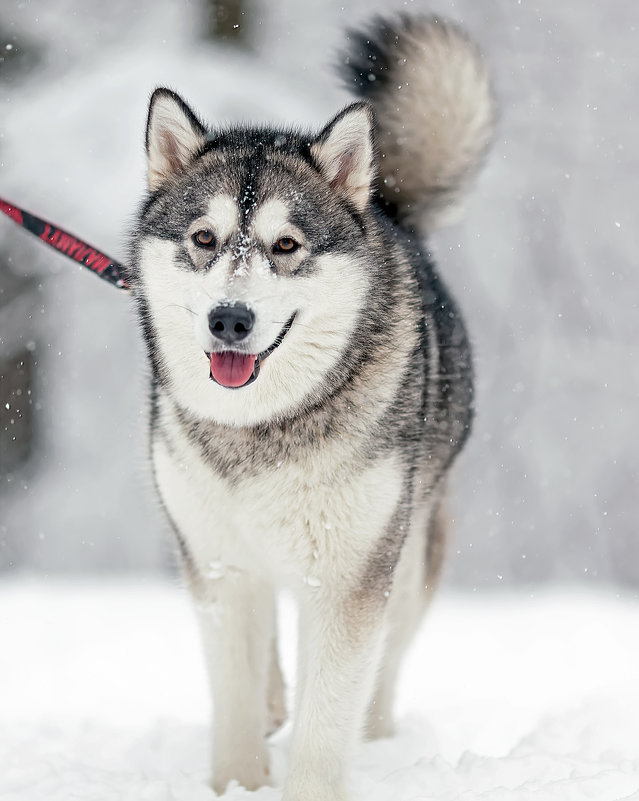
{"points": [[204, 239], [285, 245]]}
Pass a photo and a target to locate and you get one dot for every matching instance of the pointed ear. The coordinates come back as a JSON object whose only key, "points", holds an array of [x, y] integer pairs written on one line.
{"points": [[173, 137], [344, 153]]}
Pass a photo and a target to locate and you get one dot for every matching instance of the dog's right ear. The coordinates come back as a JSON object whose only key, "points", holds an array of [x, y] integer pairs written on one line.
{"points": [[174, 136]]}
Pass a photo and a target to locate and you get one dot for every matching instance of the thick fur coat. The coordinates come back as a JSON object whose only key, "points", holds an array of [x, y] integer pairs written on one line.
{"points": [[311, 385]]}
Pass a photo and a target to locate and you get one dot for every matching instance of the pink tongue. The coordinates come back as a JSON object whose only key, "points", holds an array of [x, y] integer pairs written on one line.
{"points": [[232, 369]]}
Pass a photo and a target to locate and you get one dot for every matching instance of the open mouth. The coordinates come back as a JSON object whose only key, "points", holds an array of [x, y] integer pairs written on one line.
{"points": [[234, 370]]}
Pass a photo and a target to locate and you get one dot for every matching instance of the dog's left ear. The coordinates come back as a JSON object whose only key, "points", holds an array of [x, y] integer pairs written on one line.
{"points": [[345, 154], [174, 136]]}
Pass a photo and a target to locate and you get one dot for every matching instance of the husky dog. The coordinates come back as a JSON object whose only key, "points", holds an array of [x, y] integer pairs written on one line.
{"points": [[311, 385]]}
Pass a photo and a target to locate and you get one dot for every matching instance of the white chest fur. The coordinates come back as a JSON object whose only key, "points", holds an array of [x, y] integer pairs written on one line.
{"points": [[304, 522]]}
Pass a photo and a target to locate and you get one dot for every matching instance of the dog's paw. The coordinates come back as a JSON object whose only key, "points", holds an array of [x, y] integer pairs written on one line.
{"points": [[378, 727], [251, 773]]}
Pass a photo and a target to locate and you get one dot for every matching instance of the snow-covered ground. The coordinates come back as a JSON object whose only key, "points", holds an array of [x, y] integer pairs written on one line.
{"points": [[523, 696]]}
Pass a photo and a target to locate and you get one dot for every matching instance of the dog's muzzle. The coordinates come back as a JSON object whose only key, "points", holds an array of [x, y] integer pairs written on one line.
{"points": [[233, 369]]}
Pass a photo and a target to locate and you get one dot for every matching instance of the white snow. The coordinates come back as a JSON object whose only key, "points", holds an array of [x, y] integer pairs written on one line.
{"points": [[518, 696]]}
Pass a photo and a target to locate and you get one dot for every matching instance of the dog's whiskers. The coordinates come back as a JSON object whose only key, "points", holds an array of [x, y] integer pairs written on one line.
{"points": [[283, 322], [178, 306]]}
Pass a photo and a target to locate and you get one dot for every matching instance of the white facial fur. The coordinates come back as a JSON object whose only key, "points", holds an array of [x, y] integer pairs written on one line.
{"points": [[222, 216], [327, 303], [271, 222]]}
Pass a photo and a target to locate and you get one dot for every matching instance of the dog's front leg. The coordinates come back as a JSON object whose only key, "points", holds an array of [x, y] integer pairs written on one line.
{"points": [[237, 620], [340, 643]]}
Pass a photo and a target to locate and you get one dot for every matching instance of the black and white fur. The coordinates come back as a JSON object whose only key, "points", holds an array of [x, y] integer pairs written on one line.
{"points": [[326, 471]]}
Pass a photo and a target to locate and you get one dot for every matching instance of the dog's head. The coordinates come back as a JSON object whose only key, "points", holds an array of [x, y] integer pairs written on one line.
{"points": [[249, 259]]}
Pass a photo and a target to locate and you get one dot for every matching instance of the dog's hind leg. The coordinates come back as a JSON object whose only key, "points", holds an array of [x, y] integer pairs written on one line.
{"points": [[275, 700], [416, 574]]}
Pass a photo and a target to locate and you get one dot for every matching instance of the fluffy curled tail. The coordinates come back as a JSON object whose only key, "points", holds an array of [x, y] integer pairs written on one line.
{"points": [[435, 110]]}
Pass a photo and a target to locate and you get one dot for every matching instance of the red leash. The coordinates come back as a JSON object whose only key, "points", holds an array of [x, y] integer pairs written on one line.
{"points": [[72, 247]]}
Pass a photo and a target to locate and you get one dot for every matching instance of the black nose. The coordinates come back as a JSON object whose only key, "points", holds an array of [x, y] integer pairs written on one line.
{"points": [[231, 323]]}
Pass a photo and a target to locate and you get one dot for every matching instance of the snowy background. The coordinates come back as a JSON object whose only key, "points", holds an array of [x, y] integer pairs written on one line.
{"points": [[522, 683]]}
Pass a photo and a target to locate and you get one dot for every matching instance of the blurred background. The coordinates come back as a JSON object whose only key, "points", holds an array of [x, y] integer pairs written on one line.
{"points": [[544, 265]]}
